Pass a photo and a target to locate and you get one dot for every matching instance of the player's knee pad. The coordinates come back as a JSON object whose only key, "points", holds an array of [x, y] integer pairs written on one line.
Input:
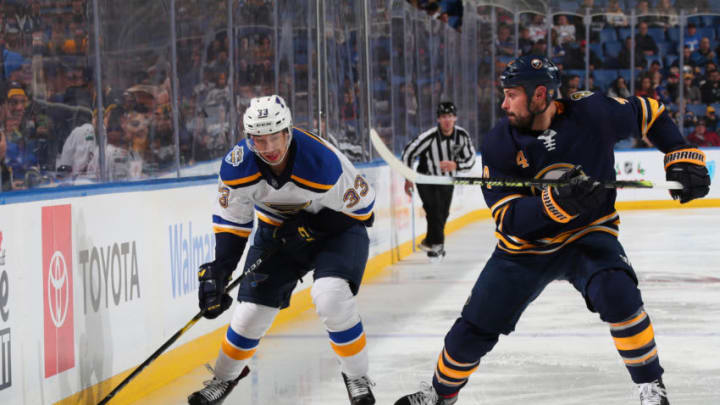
{"points": [[252, 320], [335, 303], [614, 295]]}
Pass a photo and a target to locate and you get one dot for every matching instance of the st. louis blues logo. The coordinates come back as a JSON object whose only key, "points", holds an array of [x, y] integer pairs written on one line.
{"points": [[235, 156]]}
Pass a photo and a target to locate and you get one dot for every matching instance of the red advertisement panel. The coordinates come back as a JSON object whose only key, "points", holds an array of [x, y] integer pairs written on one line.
{"points": [[58, 289]]}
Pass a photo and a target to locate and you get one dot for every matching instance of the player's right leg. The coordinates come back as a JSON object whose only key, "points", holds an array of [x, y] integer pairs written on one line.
{"points": [[501, 293], [250, 322]]}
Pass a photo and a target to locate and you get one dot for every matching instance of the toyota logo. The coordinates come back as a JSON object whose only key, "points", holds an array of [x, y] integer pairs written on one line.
{"points": [[58, 289]]}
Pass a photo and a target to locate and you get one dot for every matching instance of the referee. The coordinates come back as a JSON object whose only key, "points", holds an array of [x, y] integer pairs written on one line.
{"points": [[442, 150]]}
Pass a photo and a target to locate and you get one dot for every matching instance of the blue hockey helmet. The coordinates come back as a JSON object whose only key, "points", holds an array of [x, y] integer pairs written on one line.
{"points": [[530, 71]]}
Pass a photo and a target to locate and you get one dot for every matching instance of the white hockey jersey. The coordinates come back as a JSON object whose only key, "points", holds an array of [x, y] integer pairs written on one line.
{"points": [[317, 176]]}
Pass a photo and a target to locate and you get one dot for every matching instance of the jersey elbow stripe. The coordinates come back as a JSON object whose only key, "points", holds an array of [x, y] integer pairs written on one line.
{"points": [[243, 233], [364, 217], [503, 201], [217, 219], [310, 185], [366, 210], [243, 181]]}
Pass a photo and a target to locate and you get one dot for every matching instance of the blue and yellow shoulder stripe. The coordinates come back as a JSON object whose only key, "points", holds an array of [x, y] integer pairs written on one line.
{"points": [[316, 168], [239, 168]]}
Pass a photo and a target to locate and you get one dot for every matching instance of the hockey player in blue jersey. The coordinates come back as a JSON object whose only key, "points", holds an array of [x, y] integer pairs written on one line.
{"points": [[312, 204], [566, 232]]}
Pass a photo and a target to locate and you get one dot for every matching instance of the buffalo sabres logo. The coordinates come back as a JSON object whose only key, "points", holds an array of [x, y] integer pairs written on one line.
{"points": [[235, 156], [536, 63], [579, 95]]}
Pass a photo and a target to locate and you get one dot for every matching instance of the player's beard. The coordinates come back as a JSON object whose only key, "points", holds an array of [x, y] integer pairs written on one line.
{"points": [[521, 121]]}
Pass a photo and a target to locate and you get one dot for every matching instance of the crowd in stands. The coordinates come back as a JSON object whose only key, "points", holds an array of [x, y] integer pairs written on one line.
{"points": [[447, 11], [48, 103], [655, 55]]}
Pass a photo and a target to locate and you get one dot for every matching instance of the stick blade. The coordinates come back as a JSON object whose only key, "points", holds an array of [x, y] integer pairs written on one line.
{"points": [[398, 166]]}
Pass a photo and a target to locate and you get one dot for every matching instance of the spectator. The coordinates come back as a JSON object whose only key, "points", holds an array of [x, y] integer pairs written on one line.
{"points": [[667, 15], [539, 47], [6, 179], [704, 54], [162, 140], [642, 11], [645, 89], [690, 120], [711, 119], [79, 148], [619, 88], [575, 58], [505, 45], [645, 43], [572, 85], [691, 92], [525, 44], [565, 31], [692, 38], [591, 85], [624, 56], [537, 28], [701, 136], [710, 90], [673, 87], [20, 154], [614, 14]]}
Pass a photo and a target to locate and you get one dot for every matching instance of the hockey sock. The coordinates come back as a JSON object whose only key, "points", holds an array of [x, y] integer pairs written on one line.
{"points": [[336, 307], [249, 323], [614, 295], [465, 344]]}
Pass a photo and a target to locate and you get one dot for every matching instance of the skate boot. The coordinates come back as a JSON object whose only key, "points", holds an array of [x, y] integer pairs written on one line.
{"points": [[653, 393], [426, 396], [437, 253], [215, 390], [358, 389], [425, 246]]}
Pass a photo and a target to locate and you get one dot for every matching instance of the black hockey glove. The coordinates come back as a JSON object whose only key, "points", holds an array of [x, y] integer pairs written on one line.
{"points": [[295, 233], [211, 292], [581, 194], [686, 165]]}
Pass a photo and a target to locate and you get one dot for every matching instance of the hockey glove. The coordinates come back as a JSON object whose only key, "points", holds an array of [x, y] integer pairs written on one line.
{"points": [[579, 195], [295, 233], [211, 292], [686, 165]]}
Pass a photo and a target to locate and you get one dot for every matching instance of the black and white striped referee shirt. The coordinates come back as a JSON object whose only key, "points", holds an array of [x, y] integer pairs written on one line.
{"points": [[432, 147]]}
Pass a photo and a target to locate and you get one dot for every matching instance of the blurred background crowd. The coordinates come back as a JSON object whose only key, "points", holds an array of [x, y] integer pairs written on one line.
{"points": [[157, 88]]}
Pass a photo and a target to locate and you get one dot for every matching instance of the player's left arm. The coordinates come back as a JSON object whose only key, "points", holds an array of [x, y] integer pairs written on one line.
{"points": [[465, 158], [350, 201], [683, 162]]}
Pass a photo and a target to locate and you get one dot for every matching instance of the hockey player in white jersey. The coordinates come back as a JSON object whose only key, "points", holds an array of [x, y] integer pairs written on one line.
{"points": [[310, 201]]}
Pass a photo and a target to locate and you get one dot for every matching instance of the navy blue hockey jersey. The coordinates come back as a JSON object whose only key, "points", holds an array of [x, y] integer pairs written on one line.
{"points": [[583, 132]]}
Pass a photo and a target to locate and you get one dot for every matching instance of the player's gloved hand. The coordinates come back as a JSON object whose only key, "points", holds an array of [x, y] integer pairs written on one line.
{"points": [[579, 195], [213, 279], [295, 233], [686, 165]]}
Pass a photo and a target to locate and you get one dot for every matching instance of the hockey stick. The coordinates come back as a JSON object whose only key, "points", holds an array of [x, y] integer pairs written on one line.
{"points": [[415, 177], [256, 278]]}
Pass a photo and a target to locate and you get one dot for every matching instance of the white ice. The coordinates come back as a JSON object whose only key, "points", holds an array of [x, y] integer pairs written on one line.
{"points": [[559, 354]]}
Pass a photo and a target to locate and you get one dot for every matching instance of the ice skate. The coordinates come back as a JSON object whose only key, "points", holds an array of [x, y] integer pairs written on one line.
{"points": [[215, 390], [424, 246], [653, 393], [437, 253], [426, 396], [359, 390]]}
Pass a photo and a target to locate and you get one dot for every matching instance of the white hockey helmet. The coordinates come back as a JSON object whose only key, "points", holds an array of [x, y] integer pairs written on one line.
{"points": [[267, 115]]}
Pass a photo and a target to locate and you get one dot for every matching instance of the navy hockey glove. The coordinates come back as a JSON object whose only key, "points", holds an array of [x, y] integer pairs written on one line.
{"points": [[579, 195], [211, 292], [295, 233], [686, 165]]}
